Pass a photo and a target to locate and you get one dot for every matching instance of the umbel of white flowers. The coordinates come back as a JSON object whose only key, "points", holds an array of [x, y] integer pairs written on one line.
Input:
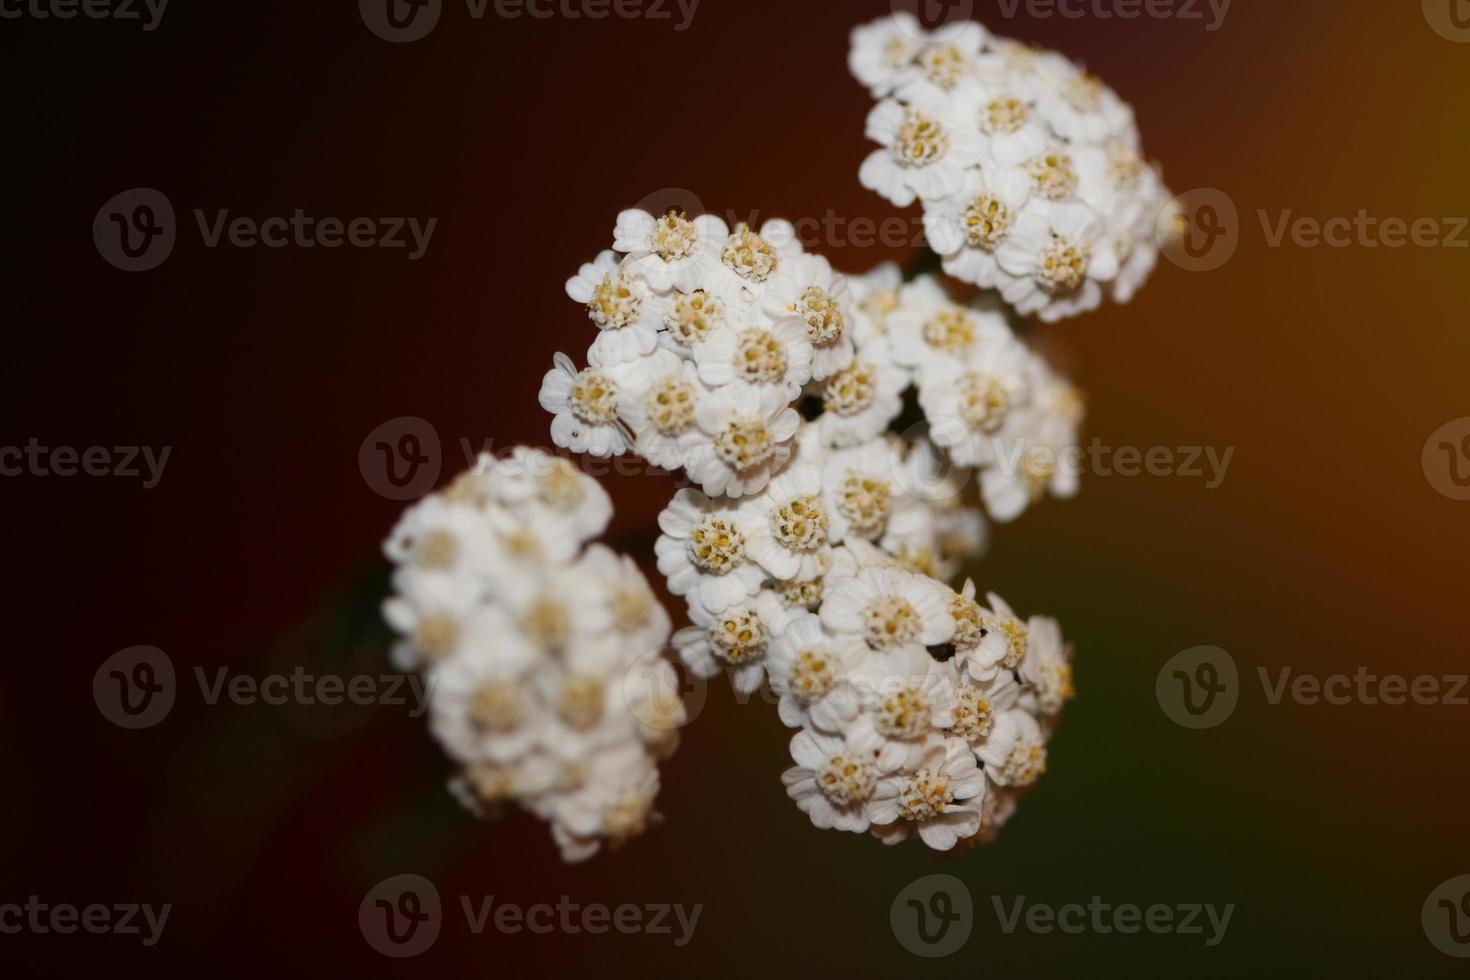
{"points": [[817, 552], [541, 651], [1030, 170]]}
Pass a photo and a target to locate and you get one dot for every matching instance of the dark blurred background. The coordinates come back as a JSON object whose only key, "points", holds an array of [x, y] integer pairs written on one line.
{"points": [[1327, 547]]}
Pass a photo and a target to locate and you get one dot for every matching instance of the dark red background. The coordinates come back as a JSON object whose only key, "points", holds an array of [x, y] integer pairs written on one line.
{"points": [[265, 370]]}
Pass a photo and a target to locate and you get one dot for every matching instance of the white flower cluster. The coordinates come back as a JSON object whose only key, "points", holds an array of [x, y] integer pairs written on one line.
{"points": [[1029, 169], [542, 652], [919, 709], [814, 552]]}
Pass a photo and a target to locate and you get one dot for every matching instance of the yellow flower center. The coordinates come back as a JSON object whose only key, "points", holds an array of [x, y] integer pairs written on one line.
{"points": [[921, 140], [715, 546], [749, 255], [594, 398], [866, 503], [745, 443], [824, 318], [890, 621], [846, 780], [692, 316], [674, 237], [760, 358], [669, 402], [800, 525]]}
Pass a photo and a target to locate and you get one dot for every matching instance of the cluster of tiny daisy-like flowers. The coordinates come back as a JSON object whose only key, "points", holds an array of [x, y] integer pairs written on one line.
{"points": [[1029, 169], [996, 409], [706, 336], [814, 552], [542, 651]]}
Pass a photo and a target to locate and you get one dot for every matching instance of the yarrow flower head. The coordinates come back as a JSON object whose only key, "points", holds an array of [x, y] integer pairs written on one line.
{"points": [[1029, 169], [541, 650], [845, 442], [811, 550]]}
